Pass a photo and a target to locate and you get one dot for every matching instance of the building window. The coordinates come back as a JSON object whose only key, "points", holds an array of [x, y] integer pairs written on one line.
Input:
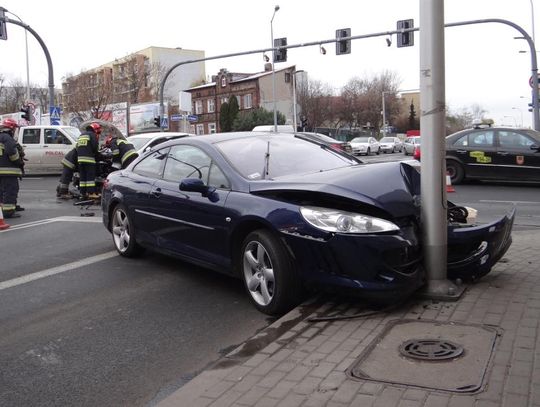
{"points": [[247, 101], [223, 81], [211, 106], [200, 129], [211, 128], [198, 107], [224, 99], [287, 77]]}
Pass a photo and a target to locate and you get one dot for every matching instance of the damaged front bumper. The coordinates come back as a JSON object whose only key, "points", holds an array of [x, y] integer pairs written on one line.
{"points": [[474, 249]]}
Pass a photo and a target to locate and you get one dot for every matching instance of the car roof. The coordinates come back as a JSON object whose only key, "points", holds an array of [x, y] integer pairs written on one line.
{"points": [[157, 134]]}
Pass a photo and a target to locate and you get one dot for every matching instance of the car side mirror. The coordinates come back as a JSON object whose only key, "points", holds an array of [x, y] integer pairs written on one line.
{"points": [[535, 147], [197, 185]]}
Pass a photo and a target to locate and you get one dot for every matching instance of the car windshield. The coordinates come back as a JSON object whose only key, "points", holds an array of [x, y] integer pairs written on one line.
{"points": [[138, 142], [387, 140], [280, 156], [360, 140], [73, 132]]}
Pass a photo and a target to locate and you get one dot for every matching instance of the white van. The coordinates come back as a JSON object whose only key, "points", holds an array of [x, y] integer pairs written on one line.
{"points": [[45, 147], [281, 128]]}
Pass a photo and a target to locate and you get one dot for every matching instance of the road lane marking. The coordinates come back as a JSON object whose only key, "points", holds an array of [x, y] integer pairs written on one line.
{"points": [[52, 220], [508, 202], [56, 270]]}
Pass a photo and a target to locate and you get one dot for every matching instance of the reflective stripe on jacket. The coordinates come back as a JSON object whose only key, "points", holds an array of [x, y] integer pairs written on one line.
{"points": [[87, 148], [122, 150], [10, 160]]}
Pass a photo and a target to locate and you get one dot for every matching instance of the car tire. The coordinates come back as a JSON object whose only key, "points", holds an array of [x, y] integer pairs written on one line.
{"points": [[122, 231], [268, 273], [368, 152], [378, 151], [455, 171]]}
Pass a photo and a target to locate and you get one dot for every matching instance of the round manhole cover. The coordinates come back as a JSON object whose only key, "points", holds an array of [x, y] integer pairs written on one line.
{"points": [[430, 349]]}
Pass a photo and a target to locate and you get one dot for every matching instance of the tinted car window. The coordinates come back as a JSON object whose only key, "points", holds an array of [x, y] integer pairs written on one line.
{"points": [[152, 166], [31, 136], [481, 139], [514, 140], [251, 156]]}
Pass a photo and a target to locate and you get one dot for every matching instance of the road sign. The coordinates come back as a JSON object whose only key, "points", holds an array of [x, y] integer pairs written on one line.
{"points": [[192, 118], [531, 81], [54, 112], [164, 123], [176, 117]]}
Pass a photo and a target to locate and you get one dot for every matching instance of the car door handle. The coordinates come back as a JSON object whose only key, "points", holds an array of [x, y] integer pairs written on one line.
{"points": [[502, 153], [461, 151], [156, 192]]}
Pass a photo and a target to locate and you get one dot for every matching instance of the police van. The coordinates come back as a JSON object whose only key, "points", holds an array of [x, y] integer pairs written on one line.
{"points": [[45, 147]]}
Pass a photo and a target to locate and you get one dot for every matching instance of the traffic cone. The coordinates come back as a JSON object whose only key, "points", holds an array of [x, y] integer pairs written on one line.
{"points": [[449, 187], [3, 225]]}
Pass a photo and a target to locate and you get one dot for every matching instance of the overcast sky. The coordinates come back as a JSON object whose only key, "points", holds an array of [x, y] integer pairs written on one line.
{"points": [[484, 65]]}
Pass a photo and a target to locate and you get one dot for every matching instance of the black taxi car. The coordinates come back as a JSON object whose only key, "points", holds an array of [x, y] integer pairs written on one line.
{"points": [[493, 153]]}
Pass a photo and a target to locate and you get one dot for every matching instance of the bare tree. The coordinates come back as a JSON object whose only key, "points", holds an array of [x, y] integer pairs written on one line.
{"points": [[363, 100], [88, 95], [316, 102]]}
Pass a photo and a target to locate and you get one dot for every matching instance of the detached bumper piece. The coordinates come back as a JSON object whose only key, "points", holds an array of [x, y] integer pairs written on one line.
{"points": [[473, 250]]}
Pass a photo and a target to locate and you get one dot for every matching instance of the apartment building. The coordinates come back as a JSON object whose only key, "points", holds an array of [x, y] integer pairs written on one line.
{"points": [[252, 91]]}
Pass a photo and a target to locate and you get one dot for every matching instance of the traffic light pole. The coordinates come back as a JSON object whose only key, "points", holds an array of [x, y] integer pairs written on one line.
{"points": [[45, 50]]}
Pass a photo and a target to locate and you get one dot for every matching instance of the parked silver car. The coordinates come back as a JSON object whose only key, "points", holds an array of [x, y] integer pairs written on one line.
{"points": [[365, 145], [410, 144], [391, 144]]}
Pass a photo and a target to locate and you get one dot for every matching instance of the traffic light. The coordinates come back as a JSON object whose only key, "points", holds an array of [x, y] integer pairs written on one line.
{"points": [[281, 54], [157, 121], [27, 113], [343, 46], [303, 119], [405, 39]]}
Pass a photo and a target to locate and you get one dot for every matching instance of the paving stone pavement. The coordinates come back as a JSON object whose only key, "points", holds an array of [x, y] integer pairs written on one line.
{"points": [[309, 364]]}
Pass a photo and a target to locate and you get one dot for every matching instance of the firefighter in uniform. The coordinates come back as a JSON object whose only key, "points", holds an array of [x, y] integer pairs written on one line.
{"points": [[87, 152], [123, 153], [11, 168], [69, 166]]}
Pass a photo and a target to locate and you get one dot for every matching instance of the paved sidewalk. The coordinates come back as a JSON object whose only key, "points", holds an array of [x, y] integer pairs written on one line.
{"points": [[310, 364]]}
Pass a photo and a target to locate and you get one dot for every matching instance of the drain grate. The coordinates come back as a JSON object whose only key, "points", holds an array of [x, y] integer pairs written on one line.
{"points": [[430, 349]]}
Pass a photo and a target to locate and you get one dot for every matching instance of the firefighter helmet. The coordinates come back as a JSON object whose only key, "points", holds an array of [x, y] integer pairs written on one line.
{"points": [[10, 124], [96, 127]]}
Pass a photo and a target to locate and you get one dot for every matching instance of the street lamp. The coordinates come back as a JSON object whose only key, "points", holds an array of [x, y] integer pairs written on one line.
{"points": [[27, 66], [521, 113], [295, 124], [276, 8]]}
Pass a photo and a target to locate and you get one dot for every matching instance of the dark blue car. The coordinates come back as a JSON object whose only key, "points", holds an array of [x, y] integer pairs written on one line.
{"points": [[284, 213]]}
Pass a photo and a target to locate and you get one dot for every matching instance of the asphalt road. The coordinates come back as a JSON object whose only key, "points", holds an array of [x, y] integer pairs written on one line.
{"points": [[81, 326]]}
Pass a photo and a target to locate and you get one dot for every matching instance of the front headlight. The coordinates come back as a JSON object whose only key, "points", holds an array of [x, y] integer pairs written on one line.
{"points": [[333, 220]]}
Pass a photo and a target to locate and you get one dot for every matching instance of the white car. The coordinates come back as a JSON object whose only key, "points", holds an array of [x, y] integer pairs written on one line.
{"points": [[145, 141], [391, 144], [365, 145], [45, 147]]}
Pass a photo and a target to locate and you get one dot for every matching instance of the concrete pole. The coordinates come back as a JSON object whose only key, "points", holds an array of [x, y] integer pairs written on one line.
{"points": [[433, 168]]}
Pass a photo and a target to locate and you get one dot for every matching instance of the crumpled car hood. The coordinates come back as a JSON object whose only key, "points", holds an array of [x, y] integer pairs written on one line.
{"points": [[387, 186]]}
